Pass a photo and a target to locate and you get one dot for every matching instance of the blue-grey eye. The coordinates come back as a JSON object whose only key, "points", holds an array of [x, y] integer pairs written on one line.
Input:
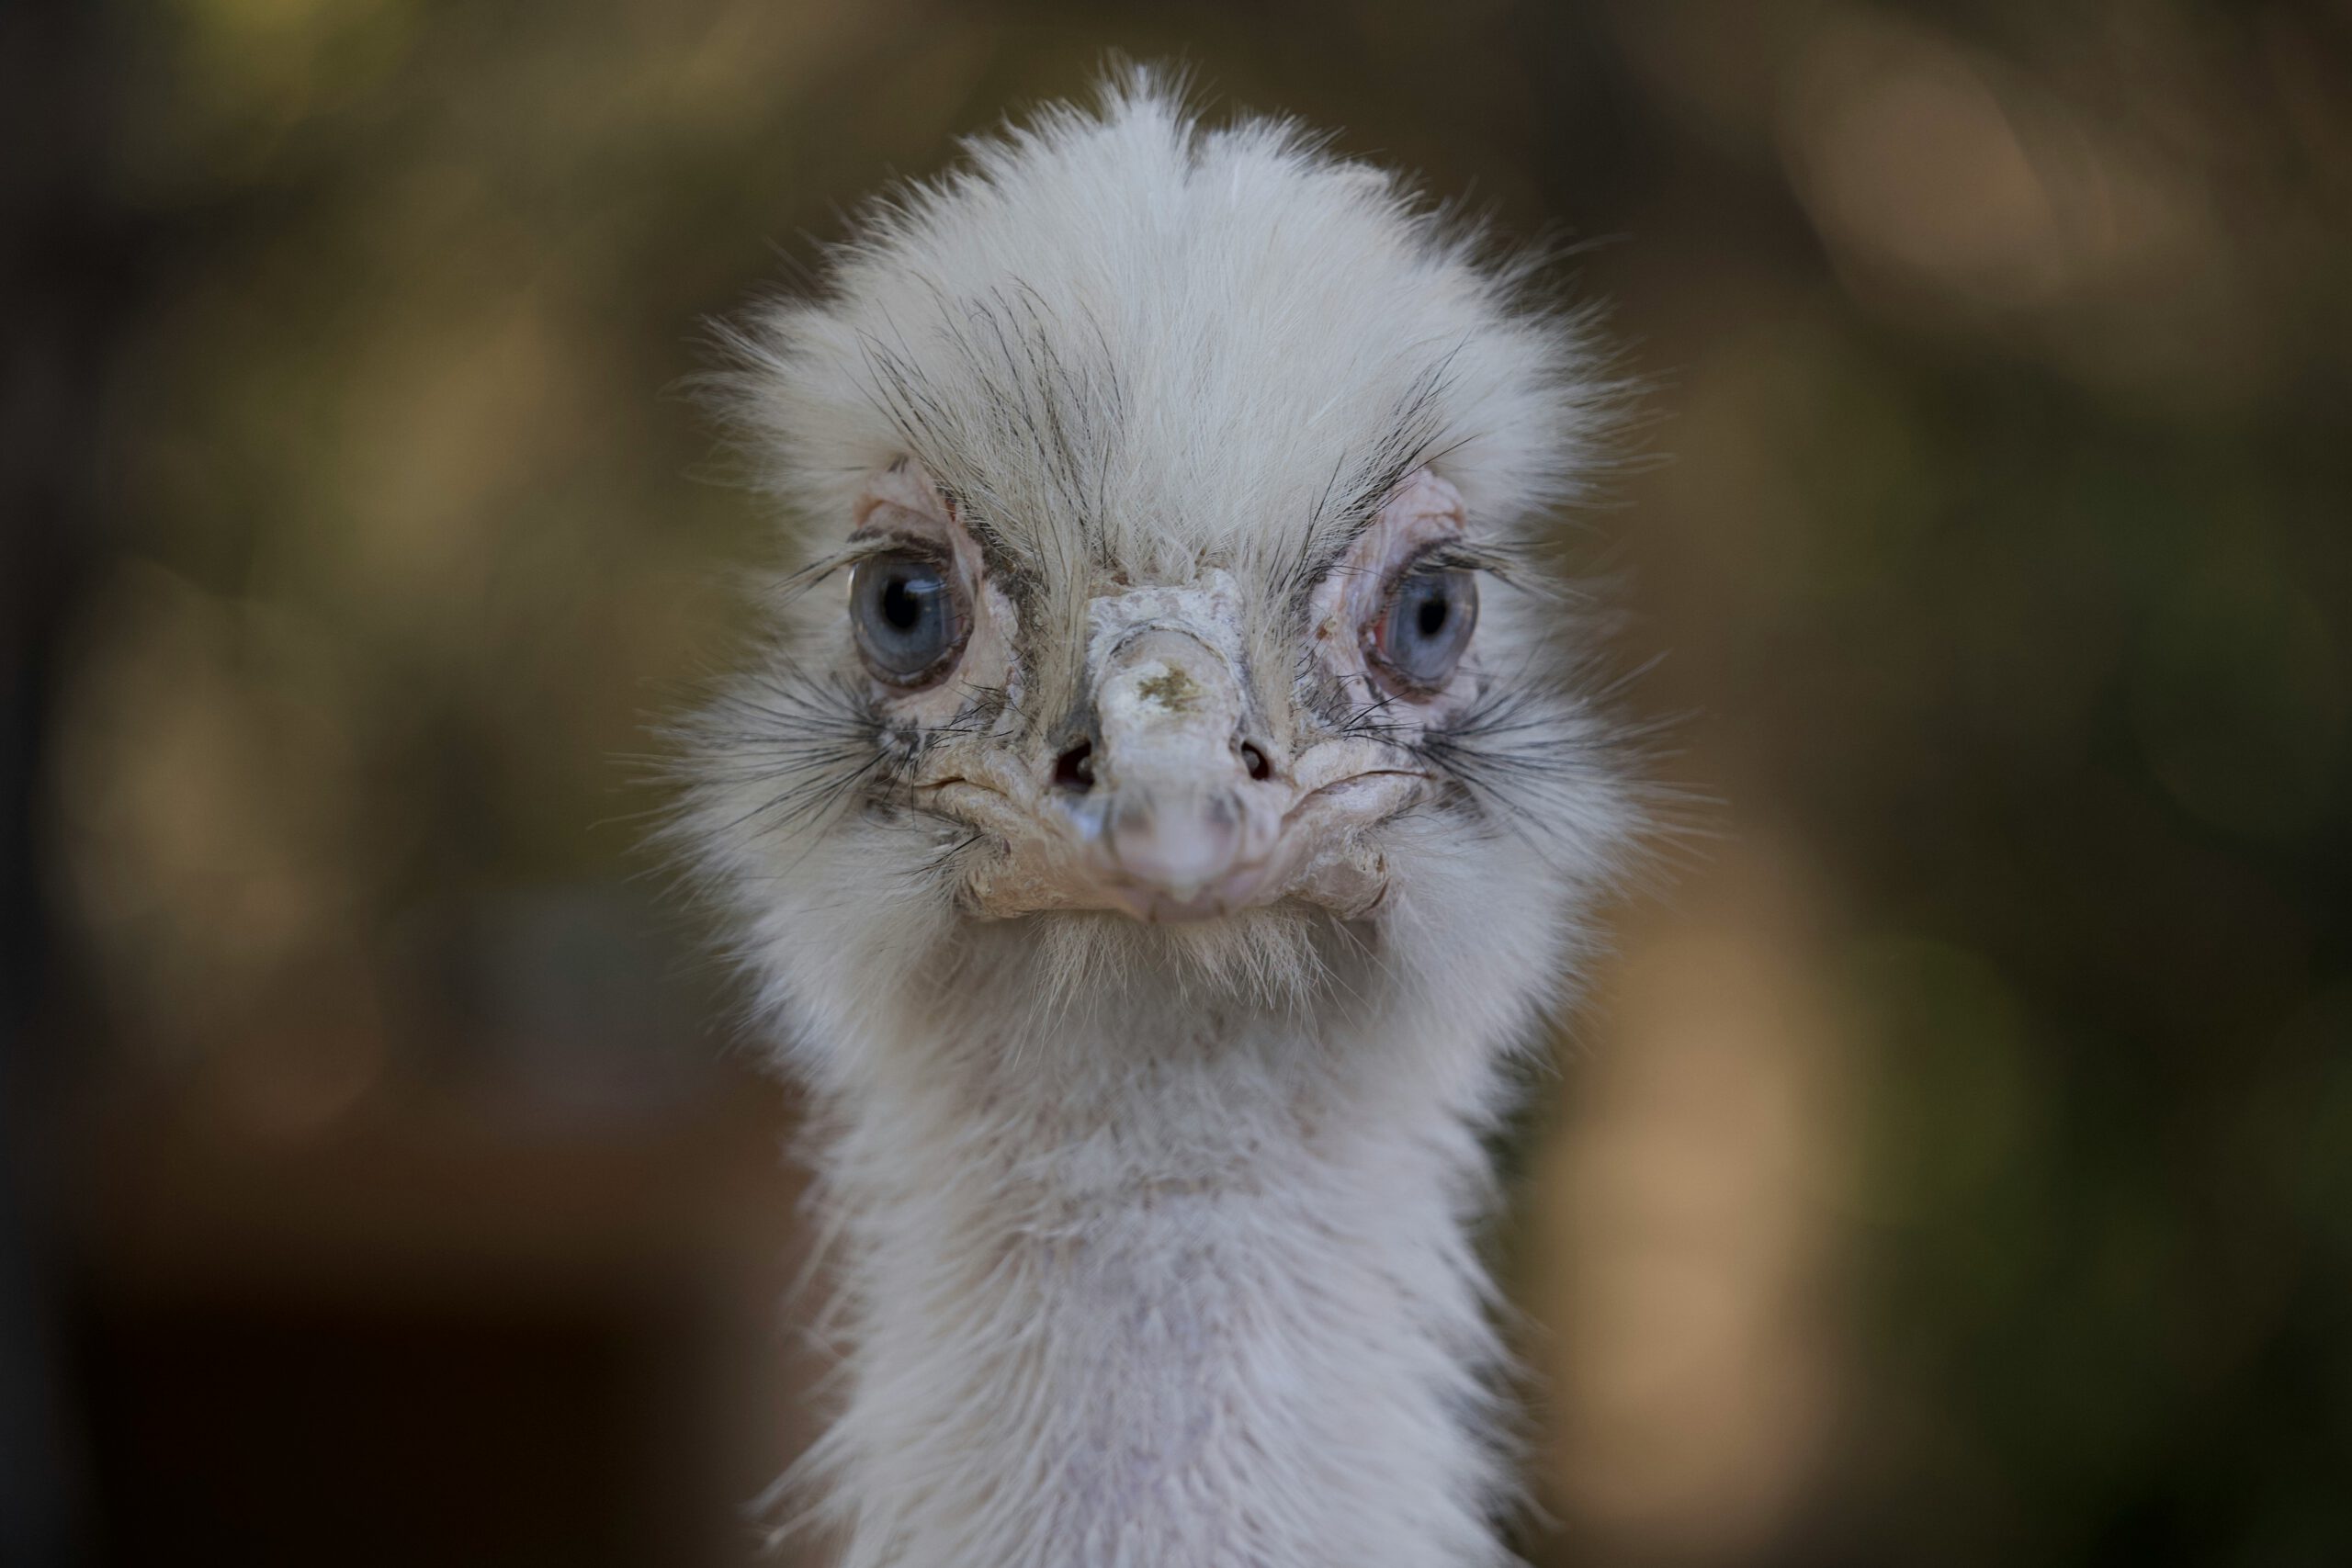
{"points": [[908, 621], [1431, 614]]}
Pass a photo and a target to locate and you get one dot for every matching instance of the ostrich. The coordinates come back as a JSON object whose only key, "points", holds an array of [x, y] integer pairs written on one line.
{"points": [[1165, 804]]}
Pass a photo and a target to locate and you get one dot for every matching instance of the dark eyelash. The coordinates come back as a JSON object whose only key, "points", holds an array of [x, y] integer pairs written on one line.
{"points": [[1456, 554], [809, 743], [1514, 566], [1517, 756], [825, 567]]}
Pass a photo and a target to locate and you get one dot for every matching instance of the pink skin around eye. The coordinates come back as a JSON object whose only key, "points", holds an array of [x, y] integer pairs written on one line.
{"points": [[902, 488], [1345, 609], [903, 501]]}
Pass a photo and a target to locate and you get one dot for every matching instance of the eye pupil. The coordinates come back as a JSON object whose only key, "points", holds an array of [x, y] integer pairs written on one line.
{"points": [[1420, 638], [908, 617]]}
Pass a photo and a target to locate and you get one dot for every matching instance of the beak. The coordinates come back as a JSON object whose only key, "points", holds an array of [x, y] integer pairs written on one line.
{"points": [[1175, 804], [1182, 819]]}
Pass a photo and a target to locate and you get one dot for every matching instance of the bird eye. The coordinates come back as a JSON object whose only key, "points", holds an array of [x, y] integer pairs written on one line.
{"points": [[1427, 623], [905, 611]]}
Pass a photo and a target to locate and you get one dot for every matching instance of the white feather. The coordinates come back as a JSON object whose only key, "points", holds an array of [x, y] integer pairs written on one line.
{"points": [[1155, 1240]]}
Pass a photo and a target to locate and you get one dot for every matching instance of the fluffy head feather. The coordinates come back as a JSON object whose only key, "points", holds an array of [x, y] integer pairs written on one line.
{"points": [[1131, 349]]}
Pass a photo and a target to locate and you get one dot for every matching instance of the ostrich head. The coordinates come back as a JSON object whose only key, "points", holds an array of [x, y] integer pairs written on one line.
{"points": [[1167, 793], [1166, 604]]}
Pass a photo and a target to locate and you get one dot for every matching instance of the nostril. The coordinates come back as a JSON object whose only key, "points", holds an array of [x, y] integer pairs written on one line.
{"points": [[1255, 761], [1074, 769]]}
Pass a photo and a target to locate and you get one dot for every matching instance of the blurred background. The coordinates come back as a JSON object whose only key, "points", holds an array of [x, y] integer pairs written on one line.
{"points": [[1954, 1165]]}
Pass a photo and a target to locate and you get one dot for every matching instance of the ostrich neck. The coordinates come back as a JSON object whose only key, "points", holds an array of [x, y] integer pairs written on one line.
{"points": [[1197, 1296]]}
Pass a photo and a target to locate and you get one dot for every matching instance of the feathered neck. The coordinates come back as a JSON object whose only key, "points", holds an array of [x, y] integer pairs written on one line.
{"points": [[1178, 1282]]}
